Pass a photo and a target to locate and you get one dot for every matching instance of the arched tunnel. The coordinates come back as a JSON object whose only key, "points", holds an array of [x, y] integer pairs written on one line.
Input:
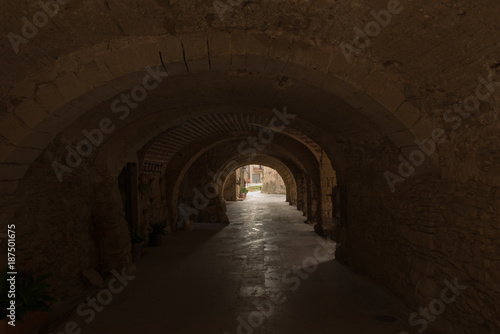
{"points": [[118, 114]]}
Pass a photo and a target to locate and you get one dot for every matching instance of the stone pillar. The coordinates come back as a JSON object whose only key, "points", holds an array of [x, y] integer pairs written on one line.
{"points": [[300, 194], [214, 212], [111, 230], [231, 188], [305, 196], [328, 181]]}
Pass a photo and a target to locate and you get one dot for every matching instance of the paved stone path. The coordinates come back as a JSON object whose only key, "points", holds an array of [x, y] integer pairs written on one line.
{"points": [[266, 272]]}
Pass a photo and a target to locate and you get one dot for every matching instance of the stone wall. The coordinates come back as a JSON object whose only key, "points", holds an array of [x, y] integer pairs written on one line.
{"points": [[231, 187], [328, 181], [152, 201], [428, 231], [272, 183], [201, 197], [55, 236]]}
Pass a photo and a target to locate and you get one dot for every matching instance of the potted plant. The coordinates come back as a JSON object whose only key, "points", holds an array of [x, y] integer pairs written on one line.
{"points": [[243, 192], [31, 299], [137, 242], [158, 230]]}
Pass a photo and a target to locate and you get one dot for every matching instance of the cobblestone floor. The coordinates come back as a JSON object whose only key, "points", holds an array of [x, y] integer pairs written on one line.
{"points": [[266, 272]]}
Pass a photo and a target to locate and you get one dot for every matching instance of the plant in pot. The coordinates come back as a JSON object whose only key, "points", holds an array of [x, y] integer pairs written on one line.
{"points": [[243, 192], [137, 244], [158, 230], [32, 302]]}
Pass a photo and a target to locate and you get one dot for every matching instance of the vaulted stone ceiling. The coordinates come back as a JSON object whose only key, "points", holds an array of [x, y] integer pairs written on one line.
{"points": [[438, 47]]}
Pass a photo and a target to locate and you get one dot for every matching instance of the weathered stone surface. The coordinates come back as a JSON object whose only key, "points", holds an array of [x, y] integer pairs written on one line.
{"points": [[93, 277]]}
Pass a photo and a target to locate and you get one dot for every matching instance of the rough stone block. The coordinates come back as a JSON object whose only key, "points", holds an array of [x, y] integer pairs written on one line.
{"points": [[280, 48], [37, 140], [12, 171], [248, 43], [402, 138], [8, 187], [301, 73], [425, 240], [274, 67], [375, 83], [198, 66], [492, 279], [408, 114], [428, 288], [93, 277], [174, 69], [312, 56], [390, 124], [358, 74], [220, 63], [381, 87], [339, 87], [339, 67], [104, 92], [24, 89], [255, 63], [12, 129], [392, 97], [30, 113], [148, 52], [5, 149], [23, 155], [92, 75], [238, 62], [219, 44], [359, 100], [105, 73], [69, 112], [85, 102], [124, 60], [171, 49], [70, 86], [423, 129], [195, 46], [120, 84], [50, 97]]}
